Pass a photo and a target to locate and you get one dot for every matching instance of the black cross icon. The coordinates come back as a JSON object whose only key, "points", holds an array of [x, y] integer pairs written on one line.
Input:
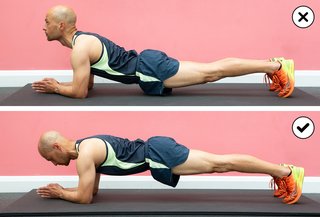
{"points": [[303, 17]]}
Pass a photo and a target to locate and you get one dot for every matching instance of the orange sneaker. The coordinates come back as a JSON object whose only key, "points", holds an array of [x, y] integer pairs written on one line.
{"points": [[287, 79], [282, 80], [294, 184], [279, 186], [272, 80]]}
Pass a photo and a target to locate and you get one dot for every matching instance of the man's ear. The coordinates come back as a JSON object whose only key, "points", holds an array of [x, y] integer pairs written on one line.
{"points": [[56, 146], [62, 26]]}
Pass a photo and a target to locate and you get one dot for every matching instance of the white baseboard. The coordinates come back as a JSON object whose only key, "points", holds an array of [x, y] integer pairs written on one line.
{"points": [[19, 78], [27, 183]]}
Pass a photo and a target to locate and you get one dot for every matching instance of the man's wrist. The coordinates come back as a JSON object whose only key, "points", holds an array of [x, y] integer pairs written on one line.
{"points": [[56, 89], [61, 193]]}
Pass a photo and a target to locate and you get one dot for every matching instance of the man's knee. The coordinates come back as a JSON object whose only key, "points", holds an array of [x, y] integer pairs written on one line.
{"points": [[221, 165], [214, 74], [208, 78], [219, 69]]}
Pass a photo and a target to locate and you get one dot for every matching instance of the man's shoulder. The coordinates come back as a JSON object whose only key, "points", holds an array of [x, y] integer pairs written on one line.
{"points": [[91, 140], [84, 40], [87, 45], [92, 149]]}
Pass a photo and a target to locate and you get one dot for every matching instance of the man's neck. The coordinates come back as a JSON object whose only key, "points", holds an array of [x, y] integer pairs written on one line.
{"points": [[72, 149], [66, 40]]}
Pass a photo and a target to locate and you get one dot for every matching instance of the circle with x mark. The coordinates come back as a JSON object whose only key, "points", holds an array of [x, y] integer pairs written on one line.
{"points": [[303, 16]]}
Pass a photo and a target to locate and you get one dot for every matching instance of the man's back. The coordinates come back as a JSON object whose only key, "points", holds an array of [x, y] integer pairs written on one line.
{"points": [[115, 63], [123, 157]]}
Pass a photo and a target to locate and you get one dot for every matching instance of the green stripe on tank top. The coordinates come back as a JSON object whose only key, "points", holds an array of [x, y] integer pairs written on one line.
{"points": [[113, 161], [104, 66]]}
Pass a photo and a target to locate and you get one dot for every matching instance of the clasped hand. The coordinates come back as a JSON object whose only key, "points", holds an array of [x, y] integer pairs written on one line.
{"points": [[47, 85], [50, 191]]}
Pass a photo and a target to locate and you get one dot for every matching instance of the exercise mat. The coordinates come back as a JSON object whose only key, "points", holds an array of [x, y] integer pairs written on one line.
{"points": [[166, 202], [217, 94]]}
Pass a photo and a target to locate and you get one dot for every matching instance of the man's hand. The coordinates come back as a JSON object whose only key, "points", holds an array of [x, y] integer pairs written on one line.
{"points": [[50, 191], [47, 85]]}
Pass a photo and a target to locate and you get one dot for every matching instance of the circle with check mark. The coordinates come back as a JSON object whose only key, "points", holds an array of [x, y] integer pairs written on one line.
{"points": [[303, 127]]}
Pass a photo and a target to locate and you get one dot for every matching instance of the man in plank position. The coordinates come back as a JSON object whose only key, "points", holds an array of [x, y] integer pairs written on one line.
{"points": [[153, 70], [163, 156]]}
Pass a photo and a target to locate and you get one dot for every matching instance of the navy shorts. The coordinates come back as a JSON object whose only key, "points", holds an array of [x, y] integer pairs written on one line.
{"points": [[162, 154], [153, 68]]}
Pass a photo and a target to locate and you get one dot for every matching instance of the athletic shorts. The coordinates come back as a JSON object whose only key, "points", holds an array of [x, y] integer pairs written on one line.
{"points": [[163, 154], [153, 68]]}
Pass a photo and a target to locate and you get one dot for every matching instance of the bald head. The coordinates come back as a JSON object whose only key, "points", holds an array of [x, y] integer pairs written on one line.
{"points": [[61, 13], [55, 148], [60, 24], [47, 140]]}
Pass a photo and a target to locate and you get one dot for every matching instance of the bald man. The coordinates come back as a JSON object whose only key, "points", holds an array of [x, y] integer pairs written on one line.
{"points": [[153, 70], [163, 156]]}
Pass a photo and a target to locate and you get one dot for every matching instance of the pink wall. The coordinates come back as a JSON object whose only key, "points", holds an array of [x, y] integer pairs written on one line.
{"points": [[201, 30], [266, 135]]}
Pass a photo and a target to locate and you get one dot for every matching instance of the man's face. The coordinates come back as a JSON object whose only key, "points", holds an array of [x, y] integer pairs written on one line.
{"points": [[51, 28], [57, 157]]}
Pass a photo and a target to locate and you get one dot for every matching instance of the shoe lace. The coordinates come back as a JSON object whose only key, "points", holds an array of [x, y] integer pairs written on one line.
{"points": [[267, 80], [272, 183], [278, 185], [275, 84]]}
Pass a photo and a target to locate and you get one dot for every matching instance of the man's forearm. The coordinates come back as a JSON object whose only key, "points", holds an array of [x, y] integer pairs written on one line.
{"points": [[66, 83], [95, 190], [70, 91], [91, 84], [72, 195], [70, 189]]}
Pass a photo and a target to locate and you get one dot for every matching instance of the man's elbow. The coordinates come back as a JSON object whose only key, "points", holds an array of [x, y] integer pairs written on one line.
{"points": [[81, 95], [86, 200]]}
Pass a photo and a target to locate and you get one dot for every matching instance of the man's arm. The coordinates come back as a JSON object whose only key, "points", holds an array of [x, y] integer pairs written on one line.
{"points": [[90, 86], [81, 74], [86, 188], [49, 84], [82, 79], [58, 187], [96, 185]]}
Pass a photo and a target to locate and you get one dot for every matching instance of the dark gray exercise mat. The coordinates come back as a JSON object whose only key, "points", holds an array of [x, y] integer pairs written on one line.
{"points": [[217, 94], [166, 202]]}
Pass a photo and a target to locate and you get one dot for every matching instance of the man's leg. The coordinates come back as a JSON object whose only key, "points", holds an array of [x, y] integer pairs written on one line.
{"points": [[200, 162], [191, 73], [289, 179], [279, 70]]}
